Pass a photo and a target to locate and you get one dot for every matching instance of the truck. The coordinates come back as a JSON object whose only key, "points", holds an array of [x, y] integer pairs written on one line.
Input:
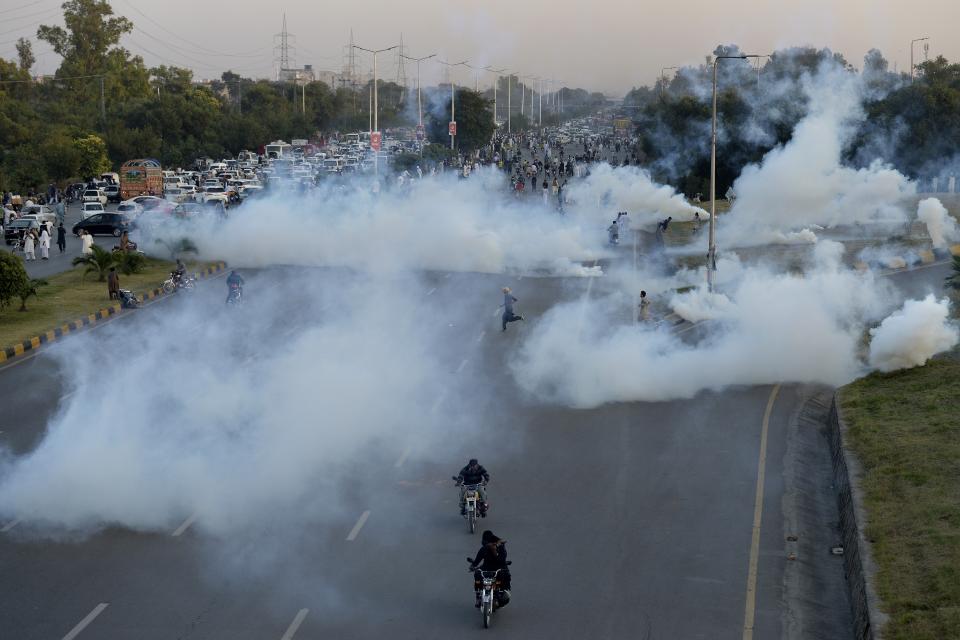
{"points": [[141, 177]]}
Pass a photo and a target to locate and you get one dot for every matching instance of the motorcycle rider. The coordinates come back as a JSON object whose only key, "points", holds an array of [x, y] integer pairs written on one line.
{"points": [[473, 473], [234, 280], [178, 273], [491, 556]]}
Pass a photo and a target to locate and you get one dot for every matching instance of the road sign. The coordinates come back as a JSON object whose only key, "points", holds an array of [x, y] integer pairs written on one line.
{"points": [[421, 134], [375, 140], [452, 127]]}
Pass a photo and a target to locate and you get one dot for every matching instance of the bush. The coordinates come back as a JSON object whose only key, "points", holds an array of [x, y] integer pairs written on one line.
{"points": [[13, 278], [130, 262]]}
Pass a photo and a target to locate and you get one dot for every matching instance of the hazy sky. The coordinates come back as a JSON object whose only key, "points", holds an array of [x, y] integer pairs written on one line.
{"points": [[606, 45]]}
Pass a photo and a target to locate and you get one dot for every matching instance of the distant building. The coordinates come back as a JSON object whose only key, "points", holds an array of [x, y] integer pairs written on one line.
{"points": [[299, 76]]}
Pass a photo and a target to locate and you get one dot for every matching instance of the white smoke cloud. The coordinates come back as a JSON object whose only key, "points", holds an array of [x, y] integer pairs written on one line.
{"points": [[912, 335], [804, 183], [941, 226]]}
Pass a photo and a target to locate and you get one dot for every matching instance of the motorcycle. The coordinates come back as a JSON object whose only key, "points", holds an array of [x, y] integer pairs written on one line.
{"points": [[473, 507], [172, 283], [492, 594], [235, 295], [128, 300]]}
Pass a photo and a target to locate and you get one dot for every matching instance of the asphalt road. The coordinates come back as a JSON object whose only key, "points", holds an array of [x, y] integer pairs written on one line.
{"points": [[632, 520]]}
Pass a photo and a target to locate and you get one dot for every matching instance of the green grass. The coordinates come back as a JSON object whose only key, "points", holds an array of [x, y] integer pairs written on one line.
{"points": [[905, 429], [71, 295]]}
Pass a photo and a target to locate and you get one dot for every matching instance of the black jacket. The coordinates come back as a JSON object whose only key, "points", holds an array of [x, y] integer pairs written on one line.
{"points": [[473, 477], [491, 557]]}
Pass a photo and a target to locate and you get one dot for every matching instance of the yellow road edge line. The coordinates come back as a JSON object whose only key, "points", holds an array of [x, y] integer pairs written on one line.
{"points": [[751, 606]]}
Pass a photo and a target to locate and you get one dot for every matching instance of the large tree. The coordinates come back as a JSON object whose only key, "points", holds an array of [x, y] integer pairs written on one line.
{"points": [[474, 115]]}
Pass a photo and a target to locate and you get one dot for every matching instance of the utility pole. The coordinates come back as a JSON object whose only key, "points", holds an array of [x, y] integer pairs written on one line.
{"points": [[911, 55], [509, 107], [419, 101], [453, 98], [496, 81], [103, 106], [712, 241]]}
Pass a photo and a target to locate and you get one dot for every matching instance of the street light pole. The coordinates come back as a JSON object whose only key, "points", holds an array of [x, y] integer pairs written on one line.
{"points": [[453, 97], [912, 42], [712, 242], [496, 81], [376, 125], [419, 101], [509, 108]]}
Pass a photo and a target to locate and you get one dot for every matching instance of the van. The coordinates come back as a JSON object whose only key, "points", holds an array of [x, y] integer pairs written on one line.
{"points": [[111, 178]]}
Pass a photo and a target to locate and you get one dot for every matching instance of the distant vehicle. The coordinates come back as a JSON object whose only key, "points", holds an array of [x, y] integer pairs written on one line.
{"points": [[278, 149], [16, 228], [147, 202], [188, 210], [130, 208], [40, 213], [94, 195], [110, 178], [140, 177], [112, 192], [103, 224], [90, 209]]}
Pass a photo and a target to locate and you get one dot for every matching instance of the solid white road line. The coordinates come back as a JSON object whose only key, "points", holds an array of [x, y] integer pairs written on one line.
{"points": [[463, 363], [297, 621], [431, 291], [10, 525], [183, 527], [356, 528], [83, 624], [479, 338], [403, 457], [750, 610]]}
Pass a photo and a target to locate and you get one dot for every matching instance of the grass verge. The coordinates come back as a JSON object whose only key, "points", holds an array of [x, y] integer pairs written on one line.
{"points": [[905, 428], [71, 295]]}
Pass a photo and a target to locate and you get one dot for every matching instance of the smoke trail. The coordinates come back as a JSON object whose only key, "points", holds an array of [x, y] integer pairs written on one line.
{"points": [[912, 335], [941, 226]]}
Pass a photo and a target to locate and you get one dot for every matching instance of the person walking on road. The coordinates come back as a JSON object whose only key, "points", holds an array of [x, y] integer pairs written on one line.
{"points": [[113, 284], [61, 238], [87, 240], [508, 315], [28, 243], [644, 314], [613, 233], [44, 243]]}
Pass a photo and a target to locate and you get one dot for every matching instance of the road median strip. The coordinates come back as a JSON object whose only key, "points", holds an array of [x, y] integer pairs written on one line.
{"points": [[30, 344]]}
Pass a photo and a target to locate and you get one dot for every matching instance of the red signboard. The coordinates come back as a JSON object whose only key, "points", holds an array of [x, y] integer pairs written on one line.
{"points": [[375, 140], [452, 128], [421, 134]]}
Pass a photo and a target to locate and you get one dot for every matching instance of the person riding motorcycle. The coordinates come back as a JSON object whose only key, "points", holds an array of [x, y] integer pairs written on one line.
{"points": [[178, 273], [473, 474], [491, 557], [234, 281]]}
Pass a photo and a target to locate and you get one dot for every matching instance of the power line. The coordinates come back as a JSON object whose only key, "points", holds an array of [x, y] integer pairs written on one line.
{"points": [[23, 6]]}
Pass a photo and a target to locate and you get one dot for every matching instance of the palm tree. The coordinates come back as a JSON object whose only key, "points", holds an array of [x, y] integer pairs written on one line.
{"points": [[28, 289], [953, 280], [178, 247], [98, 262]]}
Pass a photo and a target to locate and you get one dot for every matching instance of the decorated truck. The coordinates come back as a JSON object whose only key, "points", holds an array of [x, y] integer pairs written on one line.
{"points": [[143, 177]]}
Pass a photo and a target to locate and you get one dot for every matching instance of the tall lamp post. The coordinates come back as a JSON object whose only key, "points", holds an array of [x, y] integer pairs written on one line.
{"points": [[496, 81], [376, 125], [419, 101], [712, 242], [912, 42], [453, 96]]}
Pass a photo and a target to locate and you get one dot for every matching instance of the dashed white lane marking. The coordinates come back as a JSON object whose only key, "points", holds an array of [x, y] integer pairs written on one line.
{"points": [[183, 527], [10, 525], [479, 338], [463, 363], [403, 457], [297, 621], [83, 624], [356, 528], [431, 291]]}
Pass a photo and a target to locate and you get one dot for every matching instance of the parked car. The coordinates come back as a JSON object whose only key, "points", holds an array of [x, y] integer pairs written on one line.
{"points": [[17, 228], [94, 195], [90, 209], [112, 191], [103, 224]]}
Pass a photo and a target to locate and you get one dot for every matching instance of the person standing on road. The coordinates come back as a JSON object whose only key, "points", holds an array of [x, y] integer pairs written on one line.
{"points": [[44, 243], [613, 233], [28, 244], [61, 238], [644, 314], [113, 284], [508, 315]]}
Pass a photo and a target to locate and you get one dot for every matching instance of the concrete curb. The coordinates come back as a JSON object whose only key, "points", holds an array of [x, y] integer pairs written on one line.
{"points": [[905, 263], [31, 344], [858, 562]]}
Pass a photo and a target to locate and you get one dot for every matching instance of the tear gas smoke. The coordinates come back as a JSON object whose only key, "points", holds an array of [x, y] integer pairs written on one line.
{"points": [[803, 182], [912, 335], [941, 226], [775, 328]]}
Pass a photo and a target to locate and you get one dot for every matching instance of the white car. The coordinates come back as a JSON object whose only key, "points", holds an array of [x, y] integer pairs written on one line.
{"points": [[40, 213], [129, 208], [91, 209], [95, 195]]}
